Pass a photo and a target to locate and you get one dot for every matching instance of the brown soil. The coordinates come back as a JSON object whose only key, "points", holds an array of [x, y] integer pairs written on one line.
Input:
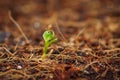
{"points": [[88, 46]]}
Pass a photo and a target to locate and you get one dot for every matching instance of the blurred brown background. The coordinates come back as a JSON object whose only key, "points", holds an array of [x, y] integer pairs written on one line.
{"points": [[45, 8], [35, 13]]}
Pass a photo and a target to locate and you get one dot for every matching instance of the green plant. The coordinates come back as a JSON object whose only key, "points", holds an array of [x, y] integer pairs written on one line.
{"points": [[49, 38]]}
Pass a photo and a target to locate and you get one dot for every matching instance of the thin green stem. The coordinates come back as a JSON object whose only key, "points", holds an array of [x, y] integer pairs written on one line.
{"points": [[45, 50]]}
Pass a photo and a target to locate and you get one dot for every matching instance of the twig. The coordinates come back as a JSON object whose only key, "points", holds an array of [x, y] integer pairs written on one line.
{"points": [[58, 29], [90, 64], [18, 26], [7, 51], [80, 32], [13, 70], [115, 49]]}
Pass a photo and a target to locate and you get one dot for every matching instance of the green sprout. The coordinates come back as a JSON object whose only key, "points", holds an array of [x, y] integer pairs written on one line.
{"points": [[49, 38]]}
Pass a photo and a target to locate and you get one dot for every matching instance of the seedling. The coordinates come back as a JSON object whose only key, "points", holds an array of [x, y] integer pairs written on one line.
{"points": [[49, 38]]}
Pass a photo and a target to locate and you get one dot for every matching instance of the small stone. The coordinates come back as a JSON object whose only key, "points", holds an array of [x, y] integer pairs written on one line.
{"points": [[36, 25], [19, 67]]}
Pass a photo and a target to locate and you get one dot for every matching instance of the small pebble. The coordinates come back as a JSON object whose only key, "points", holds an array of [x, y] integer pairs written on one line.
{"points": [[19, 67], [36, 25]]}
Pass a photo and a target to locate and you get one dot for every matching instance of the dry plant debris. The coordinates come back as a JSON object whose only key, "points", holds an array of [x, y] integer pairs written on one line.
{"points": [[88, 46]]}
